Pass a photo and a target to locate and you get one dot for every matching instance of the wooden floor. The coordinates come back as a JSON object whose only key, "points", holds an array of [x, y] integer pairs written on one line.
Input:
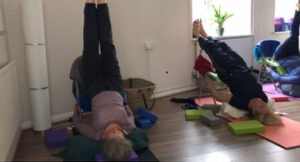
{"points": [[173, 138]]}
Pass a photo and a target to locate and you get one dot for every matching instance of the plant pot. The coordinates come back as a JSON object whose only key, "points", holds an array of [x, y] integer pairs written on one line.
{"points": [[220, 31]]}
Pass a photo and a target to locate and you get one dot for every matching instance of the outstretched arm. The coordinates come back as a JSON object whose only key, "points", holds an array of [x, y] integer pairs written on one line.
{"points": [[286, 79], [215, 93]]}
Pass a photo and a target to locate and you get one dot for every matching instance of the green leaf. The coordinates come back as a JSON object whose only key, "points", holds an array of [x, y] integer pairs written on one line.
{"points": [[219, 17]]}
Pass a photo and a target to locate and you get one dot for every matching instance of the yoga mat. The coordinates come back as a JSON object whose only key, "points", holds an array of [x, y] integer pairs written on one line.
{"points": [[286, 135], [206, 100], [271, 91]]}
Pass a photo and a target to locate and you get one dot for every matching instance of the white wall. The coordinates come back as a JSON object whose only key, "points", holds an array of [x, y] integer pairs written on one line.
{"points": [[14, 28], [163, 23], [10, 111]]}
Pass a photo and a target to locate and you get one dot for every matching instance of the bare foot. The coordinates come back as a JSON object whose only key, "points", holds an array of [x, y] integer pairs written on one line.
{"points": [[298, 6], [101, 1], [196, 27], [201, 29], [90, 1]]}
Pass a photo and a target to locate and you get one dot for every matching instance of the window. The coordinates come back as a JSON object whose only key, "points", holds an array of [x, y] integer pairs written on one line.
{"points": [[239, 24], [284, 13]]}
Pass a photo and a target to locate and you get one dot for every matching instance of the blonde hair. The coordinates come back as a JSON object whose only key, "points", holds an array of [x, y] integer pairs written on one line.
{"points": [[117, 149], [270, 119]]}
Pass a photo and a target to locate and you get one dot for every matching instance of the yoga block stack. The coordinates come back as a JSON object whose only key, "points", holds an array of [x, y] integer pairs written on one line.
{"points": [[196, 114], [57, 138], [246, 127], [100, 157], [210, 120], [145, 119], [214, 108]]}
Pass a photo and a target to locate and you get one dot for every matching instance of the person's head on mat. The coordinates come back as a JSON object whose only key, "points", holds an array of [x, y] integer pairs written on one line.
{"points": [[246, 92], [116, 147]]}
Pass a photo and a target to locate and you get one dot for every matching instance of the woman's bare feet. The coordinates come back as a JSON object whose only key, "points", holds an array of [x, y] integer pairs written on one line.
{"points": [[201, 29], [91, 1], [298, 6], [196, 27], [101, 1]]}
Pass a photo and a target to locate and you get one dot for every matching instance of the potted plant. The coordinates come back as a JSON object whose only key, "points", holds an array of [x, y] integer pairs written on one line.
{"points": [[220, 19]]}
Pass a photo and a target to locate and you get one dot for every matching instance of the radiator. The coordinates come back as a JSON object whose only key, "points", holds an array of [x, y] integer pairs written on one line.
{"points": [[10, 111]]}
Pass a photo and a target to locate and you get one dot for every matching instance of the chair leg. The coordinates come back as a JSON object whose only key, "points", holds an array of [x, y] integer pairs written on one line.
{"points": [[77, 96], [259, 75], [200, 86]]}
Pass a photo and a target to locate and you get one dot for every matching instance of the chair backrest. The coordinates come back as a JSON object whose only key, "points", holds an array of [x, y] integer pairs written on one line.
{"points": [[75, 70], [265, 48]]}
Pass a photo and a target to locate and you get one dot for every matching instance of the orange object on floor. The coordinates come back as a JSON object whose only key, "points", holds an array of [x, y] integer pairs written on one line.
{"points": [[286, 135], [205, 100], [278, 97]]}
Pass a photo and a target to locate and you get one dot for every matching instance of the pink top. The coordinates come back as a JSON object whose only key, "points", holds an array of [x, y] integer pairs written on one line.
{"points": [[108, 108]]}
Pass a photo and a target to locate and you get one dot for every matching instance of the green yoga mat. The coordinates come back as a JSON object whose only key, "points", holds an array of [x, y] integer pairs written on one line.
{"points": [[196, 114], [246, 127]]}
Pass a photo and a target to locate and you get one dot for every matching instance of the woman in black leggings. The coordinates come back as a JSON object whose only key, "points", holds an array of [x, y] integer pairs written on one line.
{"points": [[247, 93], [102, 84]]}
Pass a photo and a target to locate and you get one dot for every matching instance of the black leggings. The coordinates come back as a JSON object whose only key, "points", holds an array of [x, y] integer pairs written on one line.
{"points": [[100, 72], [224, 59], [290, 46]]}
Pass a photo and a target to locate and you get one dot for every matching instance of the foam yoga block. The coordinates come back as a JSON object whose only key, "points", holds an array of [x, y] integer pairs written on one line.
{"points": [[57, 138], [210, 120], [143, 123], [246, 127], [280, 98], [148, 115], [214, 108], [196, 114], [100, 157]]}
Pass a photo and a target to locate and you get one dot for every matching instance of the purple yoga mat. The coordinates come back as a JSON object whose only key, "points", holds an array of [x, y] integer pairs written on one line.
{"points": [[270, 90], [100, 157], [57, 138]]}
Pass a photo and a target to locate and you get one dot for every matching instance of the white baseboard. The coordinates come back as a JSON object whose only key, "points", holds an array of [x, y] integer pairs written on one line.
{"points": [[13, 146], [176, 90], [55, 119]]}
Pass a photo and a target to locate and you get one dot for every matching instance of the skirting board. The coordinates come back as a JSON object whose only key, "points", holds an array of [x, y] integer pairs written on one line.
{"points": [[173, 91], [55, 119], [13, 146], [66, 116]]}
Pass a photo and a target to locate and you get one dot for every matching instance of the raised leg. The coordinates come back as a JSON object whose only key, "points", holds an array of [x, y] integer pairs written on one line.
{"points": [[231, 52], [290, 46], [90, 59], [110, 63]]}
